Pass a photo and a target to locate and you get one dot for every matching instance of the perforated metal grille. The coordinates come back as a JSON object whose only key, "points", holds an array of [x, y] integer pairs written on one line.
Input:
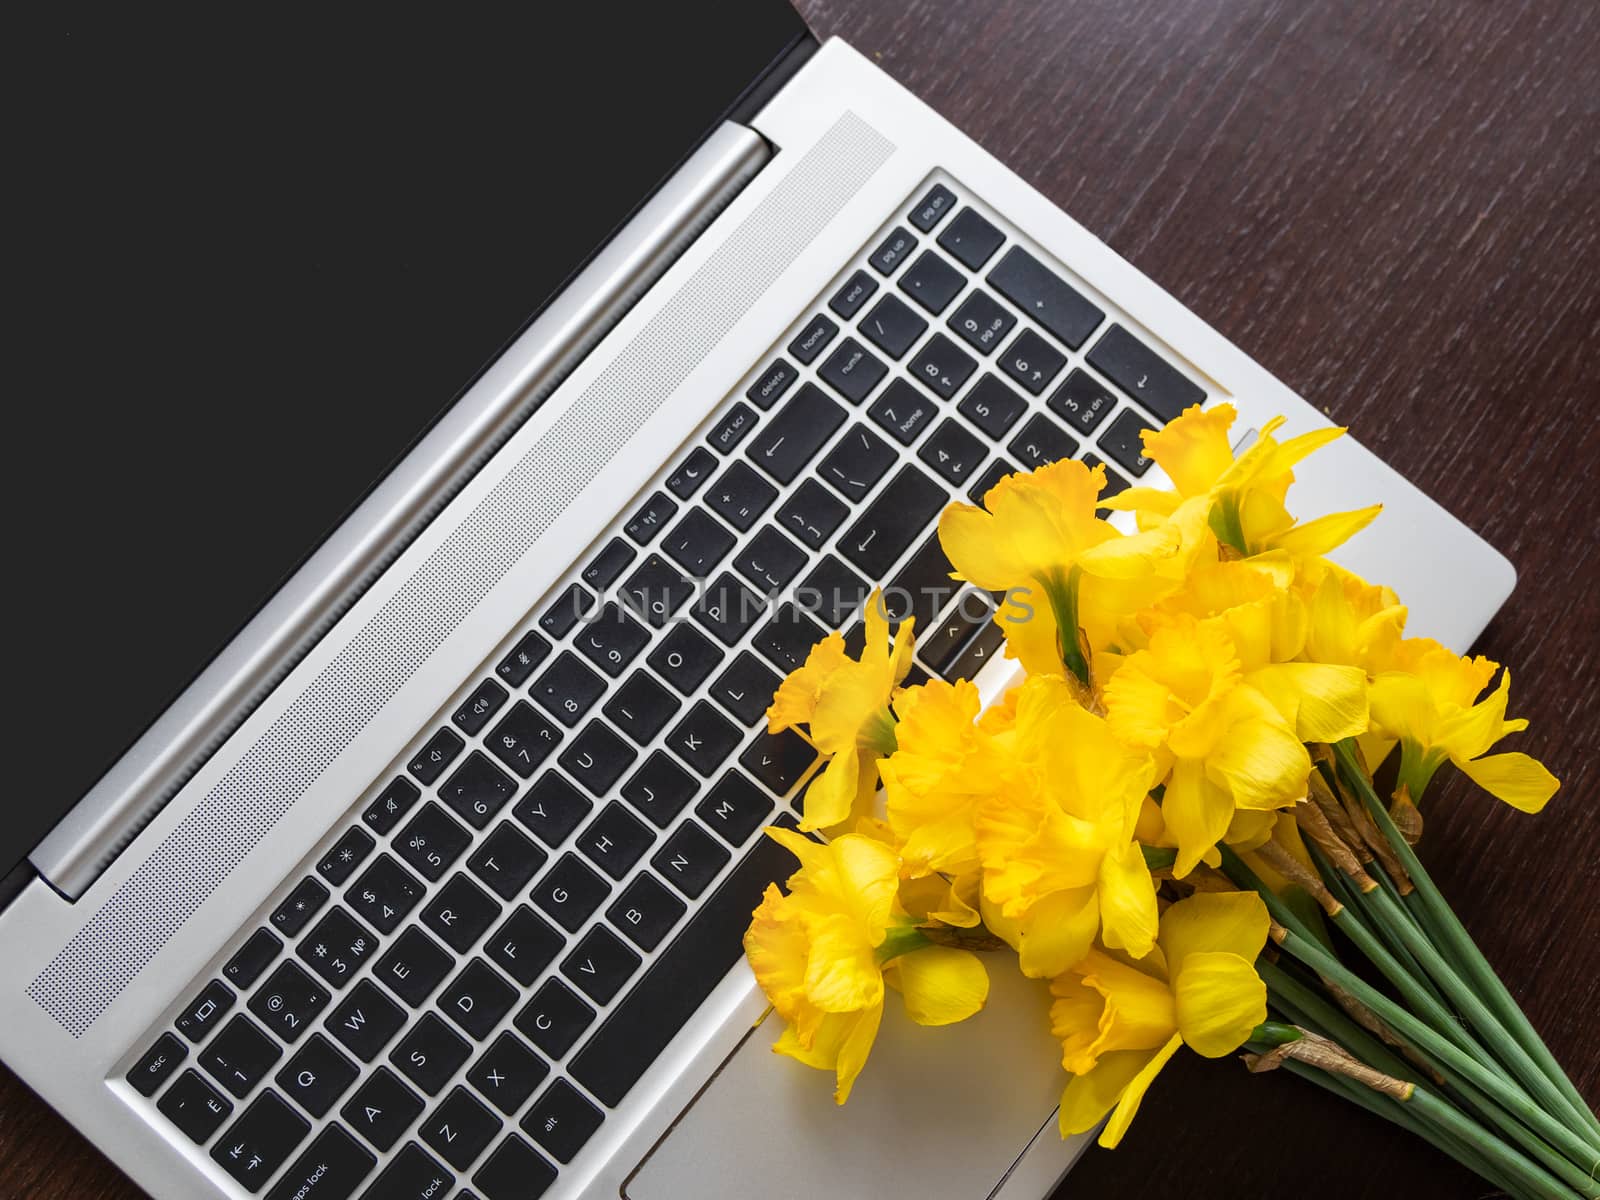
{"points": [[191, 861]]}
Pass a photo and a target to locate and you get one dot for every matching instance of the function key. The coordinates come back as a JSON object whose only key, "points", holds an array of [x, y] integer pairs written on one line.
{"points": [[1082, 402], [811, 515], [793, 437], [460, 913], [902, 411], [971, 240], [156, 1065], [857, 290], [340, 862], [1125, 444], [1032, 361], [942, 366], [646, 911], [259, 1142], [933, 207], [289, 1001], [606, 566], [692, 472], [953, 452], [485, 700], [1041, 442], [892, 327], [526, 655], [195, 1107], [554, 1018], [932, 282], [240, 1056], [858, 461], [252, 958], [337, 947], [515, 1171], [981, 322], [852, 371], [1114, 483], [746, 688], [813, 339], [507, 1073], [732, 427], [992, 406], [385, 893], [298, 907], [1143, 374], [384, 813], [741, 496], [892, 251], [552, 809], [574, 603], [772, 383], [431, 842], [992, 474], [437, 753], [1045, 297], [317, 1076], [506, 861], [561, 1120], [651, 518], [477, 791], [331, 1168], [523, 739]]}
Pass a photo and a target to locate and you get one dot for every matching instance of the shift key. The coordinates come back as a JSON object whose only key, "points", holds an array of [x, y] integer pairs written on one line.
{"points": [[899, 516], [793, 437]]}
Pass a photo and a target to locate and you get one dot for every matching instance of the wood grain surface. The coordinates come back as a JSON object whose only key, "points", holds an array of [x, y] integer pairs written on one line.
{"points": [[1393, 206]]}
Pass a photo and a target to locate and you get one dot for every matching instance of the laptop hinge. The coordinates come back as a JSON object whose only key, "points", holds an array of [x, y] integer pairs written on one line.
{"points": [[130, 795]]}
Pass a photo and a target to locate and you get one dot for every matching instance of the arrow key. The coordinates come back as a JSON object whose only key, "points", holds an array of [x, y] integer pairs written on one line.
{"points": [[1032, 361]]}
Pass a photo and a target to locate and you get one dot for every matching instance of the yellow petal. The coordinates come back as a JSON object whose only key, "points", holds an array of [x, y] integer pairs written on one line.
{"points": [[941, 985], [1196, 812], [1057, 932], [796, 696], [1131, 556], [1519, 780], [1310, 538], [842, 973], [831, 795], [1219, 999], [1119, 1080], [1228, 922], [1260, 761], [1128, 1103], [1321, 703], [841, 1045], [1195, 449], [1128, 915]]}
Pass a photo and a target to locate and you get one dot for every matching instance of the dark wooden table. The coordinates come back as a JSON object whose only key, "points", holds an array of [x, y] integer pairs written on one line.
{"points": [[1394, 207]]}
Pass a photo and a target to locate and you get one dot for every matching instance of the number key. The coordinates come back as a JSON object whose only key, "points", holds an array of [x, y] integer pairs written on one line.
{"points": [[942, 366], [523, 739], [431, 842], [386, 892]]}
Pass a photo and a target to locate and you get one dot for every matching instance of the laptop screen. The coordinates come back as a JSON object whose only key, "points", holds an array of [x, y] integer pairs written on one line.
{"points": [[250, 262]]}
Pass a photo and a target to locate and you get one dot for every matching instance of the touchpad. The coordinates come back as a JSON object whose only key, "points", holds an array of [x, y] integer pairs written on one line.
{"points": [[939, 1112]]}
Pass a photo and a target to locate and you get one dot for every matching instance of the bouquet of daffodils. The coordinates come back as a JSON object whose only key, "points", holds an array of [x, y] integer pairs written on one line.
{"points": [[1172, 819]]}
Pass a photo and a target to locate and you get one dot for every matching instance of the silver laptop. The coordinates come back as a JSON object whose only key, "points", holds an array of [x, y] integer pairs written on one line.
{"points": [[455, 430]]}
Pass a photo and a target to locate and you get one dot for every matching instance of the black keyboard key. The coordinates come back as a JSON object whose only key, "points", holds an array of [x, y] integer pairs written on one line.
{"points": [[413, 1175], [900, 514], [1041, 442], [772, 383], [795, 434], [641, 707], [600, 964], [942, 367], [656, 590], [703, 738], [646, 911], [240, 1056], [598, 757], [515, 1171], [746, 688], [382, 1109], [366, 1021], [524, 658], [832, 592], [659, 789], [506, 860], [953, 452], [384, 813], [260, 1142], [651, 518], [892, 251], [561, 1120], [384, 894], [741, 496], [939, 645], [343, 857], [570, 892], [478, 790], [728, 609], [698, 543], [156, 1065], [992, 406], [857, 290], [332, 1168], [507, 1073], [195, 1107], [252, 958], [460, 912], [690, 860], [205, 1012], [289, 1001], [986, 645], [903, 411], [813, 339], [1143, 374], [552, 809], [568, 689], [298, 907], [1032, 361], [1124, 443], [770, 560], [992, 474], [732, 428], [431, 842], [1045, 297], [1082, 401], [1114, 483], [460, 1129], [317, 1076], [735, 808], [787, 638], [523, 739], [477, 998], [676, 984], [607, 567], [337, 947], [431, 1053], [981, 322], [970, 239], [933, 207], [853, 371], [778, 760], [685, 657], [611, 640], [524, 946], [574, 603], [554, 1018], [437, 753], [614, 840], [932, 282], [857, 462], [892, 327], [413, 966]]}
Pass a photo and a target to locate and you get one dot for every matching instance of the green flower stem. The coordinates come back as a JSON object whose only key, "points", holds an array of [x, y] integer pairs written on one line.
{"points": [[1063, 597], [1323, 1017], [1441, 1114], [1437, 918]]}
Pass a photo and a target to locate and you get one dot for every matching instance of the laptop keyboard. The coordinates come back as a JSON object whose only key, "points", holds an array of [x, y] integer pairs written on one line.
{"points": [[479, 966]]}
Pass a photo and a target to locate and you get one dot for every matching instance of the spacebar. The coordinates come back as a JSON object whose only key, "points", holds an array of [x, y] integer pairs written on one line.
{"points": [[678, 982]]}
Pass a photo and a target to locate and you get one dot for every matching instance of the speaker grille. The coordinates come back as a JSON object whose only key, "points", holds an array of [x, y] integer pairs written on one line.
{"points": [[126, 932]]}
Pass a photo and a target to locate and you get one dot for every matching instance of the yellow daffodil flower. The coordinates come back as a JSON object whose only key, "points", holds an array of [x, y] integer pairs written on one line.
{"points": [[1119, 1023], [821, 953], [1056, 839], [845, 704], [1428, 702], [1351, 622]]}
